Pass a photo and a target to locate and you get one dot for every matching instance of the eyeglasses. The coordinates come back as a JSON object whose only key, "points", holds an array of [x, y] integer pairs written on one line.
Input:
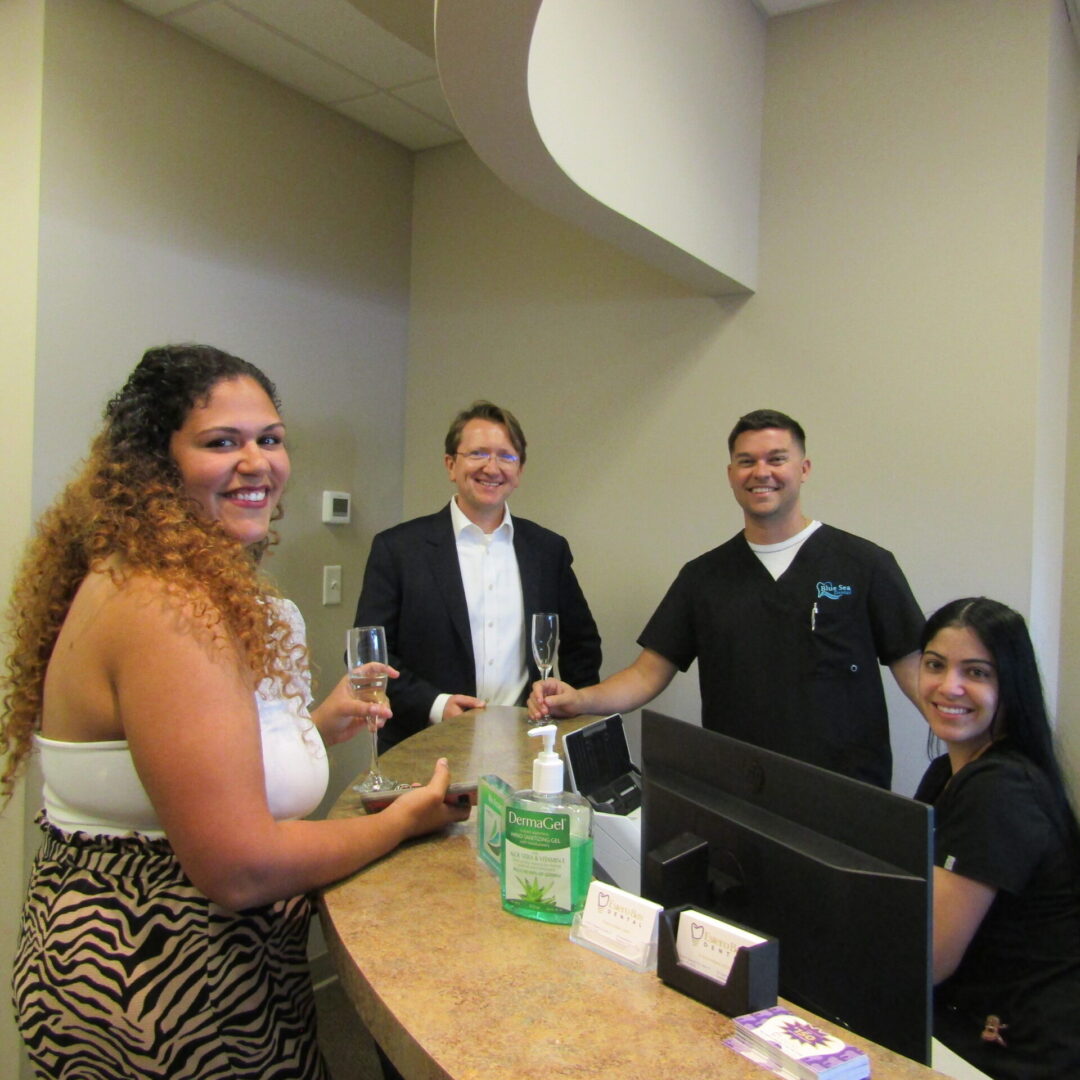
{"points": [[478, 457]]}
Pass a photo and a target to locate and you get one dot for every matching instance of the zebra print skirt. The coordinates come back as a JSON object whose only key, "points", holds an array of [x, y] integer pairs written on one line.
{"points": [[125, 971]]}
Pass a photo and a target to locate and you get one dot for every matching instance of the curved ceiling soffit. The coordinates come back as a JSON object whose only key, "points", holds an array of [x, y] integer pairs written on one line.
{"points": [[482, 50]]}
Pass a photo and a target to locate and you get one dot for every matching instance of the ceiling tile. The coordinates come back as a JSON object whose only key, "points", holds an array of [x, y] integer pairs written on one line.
{"points": [[783, 7], [253, 44], [345, 35], [383, 113], [427, 96], [159, 8]]}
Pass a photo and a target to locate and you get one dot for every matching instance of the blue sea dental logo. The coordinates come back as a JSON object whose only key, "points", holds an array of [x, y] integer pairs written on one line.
{"points": [[828, 591]]}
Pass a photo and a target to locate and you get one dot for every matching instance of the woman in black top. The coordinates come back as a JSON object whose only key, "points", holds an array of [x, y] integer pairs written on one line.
{"points": [[1007, 851]]}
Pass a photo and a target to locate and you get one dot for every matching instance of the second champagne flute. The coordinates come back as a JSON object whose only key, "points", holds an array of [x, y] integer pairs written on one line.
{"points": [[366, 645], [544, 636]]}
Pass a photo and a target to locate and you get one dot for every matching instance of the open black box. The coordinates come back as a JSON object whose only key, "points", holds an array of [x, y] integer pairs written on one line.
{"points": [[751, 985]]}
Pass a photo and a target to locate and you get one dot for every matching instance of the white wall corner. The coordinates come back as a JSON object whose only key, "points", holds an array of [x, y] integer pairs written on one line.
{"points": [[640, 125], [1056, 293]]}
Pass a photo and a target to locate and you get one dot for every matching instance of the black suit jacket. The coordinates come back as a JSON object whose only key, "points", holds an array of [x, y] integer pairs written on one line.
{"points": [[412, 586]]}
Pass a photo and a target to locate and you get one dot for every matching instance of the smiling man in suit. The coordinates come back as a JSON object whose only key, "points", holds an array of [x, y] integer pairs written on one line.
{"points": [[456, 589]]}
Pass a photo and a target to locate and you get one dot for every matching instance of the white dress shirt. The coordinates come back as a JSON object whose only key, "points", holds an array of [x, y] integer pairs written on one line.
{"points": [[489, 572]]}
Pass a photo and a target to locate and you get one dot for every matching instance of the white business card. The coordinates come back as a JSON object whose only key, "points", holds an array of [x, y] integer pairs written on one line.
{"points": [[708, 945], [619, 922]]}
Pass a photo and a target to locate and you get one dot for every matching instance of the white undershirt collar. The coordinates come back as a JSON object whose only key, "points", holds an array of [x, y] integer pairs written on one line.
{"points": [[776, 558]]}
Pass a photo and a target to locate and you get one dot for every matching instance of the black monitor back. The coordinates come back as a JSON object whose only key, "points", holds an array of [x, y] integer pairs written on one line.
{"points": [[838, 870]]}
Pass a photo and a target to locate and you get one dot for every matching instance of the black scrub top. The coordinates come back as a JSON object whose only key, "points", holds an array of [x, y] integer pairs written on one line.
{"points": [[793, 664], [998, 822]]}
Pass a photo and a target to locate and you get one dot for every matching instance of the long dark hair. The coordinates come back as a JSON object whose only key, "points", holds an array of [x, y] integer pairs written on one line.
{"points": [[1021, 719]]}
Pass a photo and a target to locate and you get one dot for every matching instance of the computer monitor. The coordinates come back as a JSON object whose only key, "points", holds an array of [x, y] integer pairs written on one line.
{"points": [[838, 870]]}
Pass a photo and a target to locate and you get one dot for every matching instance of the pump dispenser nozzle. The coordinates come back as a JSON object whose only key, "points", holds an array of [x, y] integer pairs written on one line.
{"points": [[548, 766]]}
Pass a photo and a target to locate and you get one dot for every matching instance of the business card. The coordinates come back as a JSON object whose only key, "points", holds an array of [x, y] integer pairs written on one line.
{"points": [[708, 945], [619, 922]]}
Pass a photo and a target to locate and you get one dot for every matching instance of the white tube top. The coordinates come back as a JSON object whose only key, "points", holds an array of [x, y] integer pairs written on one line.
{"points": [[92, 787]]}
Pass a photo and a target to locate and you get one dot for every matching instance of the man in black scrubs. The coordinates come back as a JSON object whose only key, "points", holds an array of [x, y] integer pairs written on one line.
{"points": [[789, 621]]}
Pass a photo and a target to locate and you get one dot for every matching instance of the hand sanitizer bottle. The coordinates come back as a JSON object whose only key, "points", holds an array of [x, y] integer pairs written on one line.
{"points": [[547, 843]]}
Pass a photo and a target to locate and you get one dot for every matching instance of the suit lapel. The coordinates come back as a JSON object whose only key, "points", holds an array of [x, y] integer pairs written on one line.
{"points": [[446, 571], [530, 572]]}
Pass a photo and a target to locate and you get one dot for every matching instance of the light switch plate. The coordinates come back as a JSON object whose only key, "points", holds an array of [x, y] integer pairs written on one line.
{"points": [[331, 585]]}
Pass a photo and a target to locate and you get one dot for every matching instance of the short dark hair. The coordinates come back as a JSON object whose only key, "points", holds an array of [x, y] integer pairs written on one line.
{"points": [[485, 410], [761, 420]]}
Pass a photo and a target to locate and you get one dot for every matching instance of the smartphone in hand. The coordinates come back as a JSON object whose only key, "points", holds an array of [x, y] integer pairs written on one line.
{"points": [[463, 794]]}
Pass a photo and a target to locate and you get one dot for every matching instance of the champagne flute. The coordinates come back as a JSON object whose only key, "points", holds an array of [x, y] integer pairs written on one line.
{"points": [[366, 645], [545, 640]]}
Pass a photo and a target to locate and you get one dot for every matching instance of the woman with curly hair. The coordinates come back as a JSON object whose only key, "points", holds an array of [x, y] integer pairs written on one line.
{"points": [[165, 686], [1006, 850]]}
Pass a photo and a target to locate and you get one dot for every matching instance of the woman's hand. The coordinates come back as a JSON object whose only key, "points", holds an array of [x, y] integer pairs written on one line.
{"points": [[423, 809], [342, 715]]}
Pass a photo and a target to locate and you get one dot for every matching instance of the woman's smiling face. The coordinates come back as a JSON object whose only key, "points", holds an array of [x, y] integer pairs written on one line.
{"points": [[231, 454], [958, 689]]}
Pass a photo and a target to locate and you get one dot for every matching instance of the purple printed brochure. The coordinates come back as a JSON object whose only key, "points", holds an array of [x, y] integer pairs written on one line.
{"points": [[801, 1047], [758, 1057]]}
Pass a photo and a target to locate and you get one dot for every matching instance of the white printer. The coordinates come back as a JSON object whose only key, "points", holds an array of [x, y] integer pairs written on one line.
{"points": [[600, 770]]}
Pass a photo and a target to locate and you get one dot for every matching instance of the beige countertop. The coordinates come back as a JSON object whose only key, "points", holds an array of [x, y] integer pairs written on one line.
{"points": [[454, 987]]}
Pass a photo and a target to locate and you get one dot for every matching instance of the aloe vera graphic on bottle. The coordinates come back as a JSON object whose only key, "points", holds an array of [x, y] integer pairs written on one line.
{"points": [[547, 843], [492, 794]]}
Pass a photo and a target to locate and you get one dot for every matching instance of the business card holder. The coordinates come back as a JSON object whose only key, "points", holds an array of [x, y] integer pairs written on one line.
{"points": [[751, 984], [642, 958], [619, 925]]}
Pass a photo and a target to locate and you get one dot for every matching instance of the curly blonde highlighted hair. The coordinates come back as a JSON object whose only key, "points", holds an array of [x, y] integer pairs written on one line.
{"points": [[127, 511]]}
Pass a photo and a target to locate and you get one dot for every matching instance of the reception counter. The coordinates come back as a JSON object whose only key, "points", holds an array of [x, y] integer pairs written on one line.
{"points": [[454, 987]]}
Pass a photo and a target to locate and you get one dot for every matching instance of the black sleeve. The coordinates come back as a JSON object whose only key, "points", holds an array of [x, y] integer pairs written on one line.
{"points": [[579, 640], [991, 824], [895, 618], [670, 632]]}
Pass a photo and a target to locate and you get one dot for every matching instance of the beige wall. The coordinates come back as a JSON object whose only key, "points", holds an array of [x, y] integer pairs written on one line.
{"points": [[899, 316], [1069, 733], [21, 45], [900, 313], [184, 197], [1062, 80]]}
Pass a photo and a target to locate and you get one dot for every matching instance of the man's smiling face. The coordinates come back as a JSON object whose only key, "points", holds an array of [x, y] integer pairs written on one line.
{"points": [[767, 471], [483, 486]]}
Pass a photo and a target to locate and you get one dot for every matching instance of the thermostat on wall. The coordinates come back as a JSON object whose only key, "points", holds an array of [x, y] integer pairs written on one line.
{"points": [[336, 507]]}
